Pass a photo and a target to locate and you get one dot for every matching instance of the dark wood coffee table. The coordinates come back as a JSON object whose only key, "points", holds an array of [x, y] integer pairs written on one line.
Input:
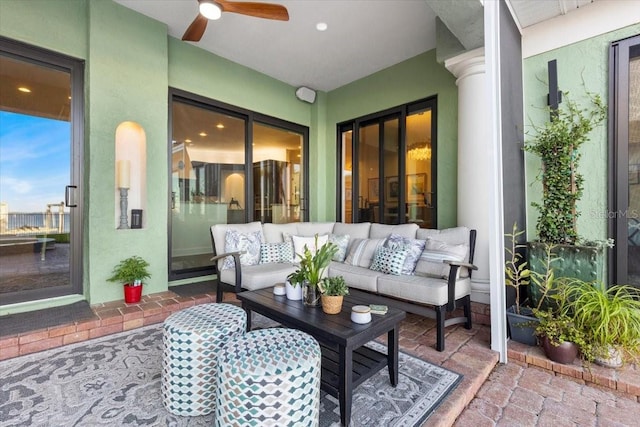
{"points": [[346, 363]]}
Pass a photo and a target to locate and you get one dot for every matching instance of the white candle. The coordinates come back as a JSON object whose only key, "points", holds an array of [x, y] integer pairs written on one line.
{"points": [[123, 173]]}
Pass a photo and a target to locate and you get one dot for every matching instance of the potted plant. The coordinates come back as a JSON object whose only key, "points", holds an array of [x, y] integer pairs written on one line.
{"points": [[293, 285], [333, 290], [131, 272], [557, 143], [561, 340], [312, 267], [520, 316], [610, 318]]}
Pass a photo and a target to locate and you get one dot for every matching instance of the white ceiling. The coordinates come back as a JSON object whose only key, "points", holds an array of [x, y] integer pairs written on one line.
{"points": [[363, 36]]}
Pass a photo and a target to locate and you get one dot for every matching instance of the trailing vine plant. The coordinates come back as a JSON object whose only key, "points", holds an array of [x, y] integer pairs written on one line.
{"points": [[557, 143]]}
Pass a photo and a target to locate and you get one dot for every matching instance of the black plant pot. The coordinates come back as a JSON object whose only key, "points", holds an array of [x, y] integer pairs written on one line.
{"points": [[564, 353], [522, 326]]}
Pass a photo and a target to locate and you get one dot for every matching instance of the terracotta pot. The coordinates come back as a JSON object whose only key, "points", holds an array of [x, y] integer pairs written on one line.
{"points": [[564, 353], [332, 304], [132, 294]]}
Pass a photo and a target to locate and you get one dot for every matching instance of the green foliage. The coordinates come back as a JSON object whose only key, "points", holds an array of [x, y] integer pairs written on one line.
{"points": [[559, 327], [129, 270], [558, 143], [313, 266], [516, 272], [609, 317], [334, 286], [297, 277]]}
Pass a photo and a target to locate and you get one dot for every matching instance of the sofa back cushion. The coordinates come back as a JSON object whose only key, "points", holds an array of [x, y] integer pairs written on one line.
{"points": [[452, 236], [431, 262], [273, 233], [380, 231], [355, 231], [313, 228]]}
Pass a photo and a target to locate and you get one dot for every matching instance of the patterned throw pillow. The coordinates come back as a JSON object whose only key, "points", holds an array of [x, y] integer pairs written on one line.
{"points": [[342, 242], [362, 252], [389, 261], [414, 250], [250, 243], [435, 252], [271, 253]]}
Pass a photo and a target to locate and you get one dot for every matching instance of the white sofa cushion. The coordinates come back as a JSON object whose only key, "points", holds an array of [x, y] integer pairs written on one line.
{"points": [[356, 277], [273, 233], [355, 231], [362, 252], [379, 231], [313, 228], [431, 262], [452, 236], [424, 290], [259, 276], [300, 242]]}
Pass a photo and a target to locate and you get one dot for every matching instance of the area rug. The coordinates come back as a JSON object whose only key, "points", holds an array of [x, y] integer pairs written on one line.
{"points": [[115, 381]]}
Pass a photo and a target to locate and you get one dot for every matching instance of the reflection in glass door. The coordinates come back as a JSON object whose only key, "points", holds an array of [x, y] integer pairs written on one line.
{"points": [[624, 212], [40, 132]]}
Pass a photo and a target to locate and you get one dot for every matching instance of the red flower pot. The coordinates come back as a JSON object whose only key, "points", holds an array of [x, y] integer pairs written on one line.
{"points": [[132, 294]]}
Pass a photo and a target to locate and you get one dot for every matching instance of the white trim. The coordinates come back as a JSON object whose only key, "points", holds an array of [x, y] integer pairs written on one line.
{"points": [[594, 19], [496, 203]]}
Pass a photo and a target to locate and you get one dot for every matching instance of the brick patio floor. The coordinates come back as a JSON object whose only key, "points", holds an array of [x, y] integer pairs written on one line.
{"points": [[528, 391]]}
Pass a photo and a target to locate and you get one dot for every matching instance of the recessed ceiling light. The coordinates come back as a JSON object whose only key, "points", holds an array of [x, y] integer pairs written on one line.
{"points": [[24, 89], [202, 134], [220, 126], [187, 141], [321, 26]]}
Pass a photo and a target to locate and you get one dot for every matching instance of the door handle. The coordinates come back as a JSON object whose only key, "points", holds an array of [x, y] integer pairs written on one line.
{"points": [[70, 196]]}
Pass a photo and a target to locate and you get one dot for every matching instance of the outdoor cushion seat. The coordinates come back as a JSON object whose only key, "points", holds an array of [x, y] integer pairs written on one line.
{"points": [[259, 276], [269, 377], [192, 339], [357, 277]]}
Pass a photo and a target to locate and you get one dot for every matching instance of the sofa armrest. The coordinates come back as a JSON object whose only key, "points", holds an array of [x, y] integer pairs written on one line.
{"points": [[237, 266], [451, 281]]}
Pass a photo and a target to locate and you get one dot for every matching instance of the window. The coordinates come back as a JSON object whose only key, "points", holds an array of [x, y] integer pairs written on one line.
{"points": [[392, 179], [228, 166]]}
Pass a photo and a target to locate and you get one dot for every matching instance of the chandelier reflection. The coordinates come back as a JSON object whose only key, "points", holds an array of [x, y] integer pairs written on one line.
{"points": [[420, 150]]}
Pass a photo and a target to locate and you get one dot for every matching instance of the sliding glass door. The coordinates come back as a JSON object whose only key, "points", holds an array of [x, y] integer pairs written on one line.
{"points": [[624, 212]]}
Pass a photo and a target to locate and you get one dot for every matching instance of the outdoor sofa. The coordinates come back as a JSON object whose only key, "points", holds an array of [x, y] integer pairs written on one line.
{"points": [[423, 271]]}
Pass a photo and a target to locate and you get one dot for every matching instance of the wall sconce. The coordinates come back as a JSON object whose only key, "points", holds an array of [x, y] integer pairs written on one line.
{"points": [[130, 173]]}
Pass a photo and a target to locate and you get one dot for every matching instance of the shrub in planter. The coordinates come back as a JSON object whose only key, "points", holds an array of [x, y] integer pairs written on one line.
{"points": [[333, 291]]}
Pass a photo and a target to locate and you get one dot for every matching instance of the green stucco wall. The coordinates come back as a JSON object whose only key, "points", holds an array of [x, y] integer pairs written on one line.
{"points": [[582, 67], [411, 80], [130, 63]]}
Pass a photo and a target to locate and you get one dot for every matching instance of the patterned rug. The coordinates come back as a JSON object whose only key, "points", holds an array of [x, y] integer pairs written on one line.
{"points": [[115, 381]]}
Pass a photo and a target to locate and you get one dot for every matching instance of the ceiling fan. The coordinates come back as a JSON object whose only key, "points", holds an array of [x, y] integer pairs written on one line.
{"points": [[212, 9]]}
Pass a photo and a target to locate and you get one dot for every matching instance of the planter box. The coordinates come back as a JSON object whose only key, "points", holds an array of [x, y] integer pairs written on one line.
{"points": [[517, 330], [580, 262]]}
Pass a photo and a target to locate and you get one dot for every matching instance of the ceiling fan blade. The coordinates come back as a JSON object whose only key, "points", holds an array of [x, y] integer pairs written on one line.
{"points": [[196, 29], [259, 10]]}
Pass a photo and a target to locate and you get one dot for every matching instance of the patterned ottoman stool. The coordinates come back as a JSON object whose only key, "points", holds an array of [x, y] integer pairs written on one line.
{"points": [[192, 339], [269, 377]]}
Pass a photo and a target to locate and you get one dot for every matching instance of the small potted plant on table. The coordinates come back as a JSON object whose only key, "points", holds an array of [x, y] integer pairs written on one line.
{"points": [[313, 266], [131, 272], [333, 291]]}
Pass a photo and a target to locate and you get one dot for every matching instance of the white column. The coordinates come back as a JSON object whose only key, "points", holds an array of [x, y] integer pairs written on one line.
{"points": [[474, 147]]}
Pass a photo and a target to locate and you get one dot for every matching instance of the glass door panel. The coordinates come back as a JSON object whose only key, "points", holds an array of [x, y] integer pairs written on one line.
{"points": [[207, 182], [633, 218], [277, 174], [419, 191], [369, 185], [347, 181], [40, 243], [393, 210]]}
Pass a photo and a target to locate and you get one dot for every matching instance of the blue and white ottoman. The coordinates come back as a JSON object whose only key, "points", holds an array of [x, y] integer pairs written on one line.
{"points": [[269, 377], [192, 339]]}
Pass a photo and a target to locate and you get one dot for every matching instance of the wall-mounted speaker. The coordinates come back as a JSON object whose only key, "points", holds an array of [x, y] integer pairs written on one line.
{"points": [[306, 94]]}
